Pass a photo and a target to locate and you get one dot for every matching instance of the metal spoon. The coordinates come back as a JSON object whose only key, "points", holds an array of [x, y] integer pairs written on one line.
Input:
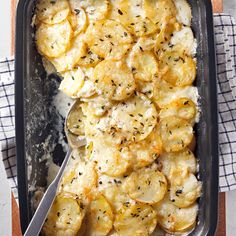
{"points": [[41, 213]]}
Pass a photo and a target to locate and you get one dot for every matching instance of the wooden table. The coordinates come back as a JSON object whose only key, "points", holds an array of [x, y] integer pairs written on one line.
{"points": [[221, 230]]}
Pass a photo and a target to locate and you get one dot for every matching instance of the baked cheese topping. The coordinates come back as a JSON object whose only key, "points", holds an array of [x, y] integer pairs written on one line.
{"points": [[130, 67]]}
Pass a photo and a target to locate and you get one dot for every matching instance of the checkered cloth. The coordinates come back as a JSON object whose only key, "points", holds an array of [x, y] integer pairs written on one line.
{"points": [[7, 121], [225, 32], [225, 35]]}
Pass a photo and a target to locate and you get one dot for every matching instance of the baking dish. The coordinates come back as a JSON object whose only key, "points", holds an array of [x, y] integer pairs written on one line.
{"points": [[36, 118]]}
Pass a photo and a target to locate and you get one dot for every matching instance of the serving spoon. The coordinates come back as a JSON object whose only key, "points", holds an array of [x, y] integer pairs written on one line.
{"points": [[41, 213]]}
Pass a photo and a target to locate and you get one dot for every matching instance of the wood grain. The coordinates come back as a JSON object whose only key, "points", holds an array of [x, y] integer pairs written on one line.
{"points": [[221, 230], [217, 6], [16, 230], [13, 23]]}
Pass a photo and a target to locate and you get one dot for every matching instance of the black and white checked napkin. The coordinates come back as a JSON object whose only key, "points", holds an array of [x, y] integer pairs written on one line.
{"points": [[225, 35]]}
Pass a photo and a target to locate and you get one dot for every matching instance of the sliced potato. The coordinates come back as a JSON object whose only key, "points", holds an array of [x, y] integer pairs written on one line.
{"points": [[165, 35], [164, 93], [53, 40], [80, 180], [78, 20], [108, 39], [185, 189], [99, 218], [177, 69], [73, 81], [52, 11], [95, 127], [135, 220], [75, 120], [183, 108], [111, 160], [114, 80], [184, 41], [69, 59], [135, 118], [176, 133], [159, 11], [65, 216], [143, 65], [174, 219], [145, 152], [116, 196], [89, 58], [183, 161], [147, 43], [184, 15], [147, 185], [95, 9], [131, 15], [89, 89], [98, 105]]}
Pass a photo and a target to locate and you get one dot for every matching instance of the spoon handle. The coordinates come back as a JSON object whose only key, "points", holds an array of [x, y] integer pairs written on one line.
{"points": [[40, 215]]}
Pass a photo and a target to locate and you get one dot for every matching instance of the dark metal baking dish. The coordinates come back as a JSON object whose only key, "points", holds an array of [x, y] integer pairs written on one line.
{"points": [[35, 119]]}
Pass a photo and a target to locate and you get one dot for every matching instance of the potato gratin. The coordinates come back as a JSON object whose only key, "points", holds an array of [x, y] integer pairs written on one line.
{"points": [[130, 67]]}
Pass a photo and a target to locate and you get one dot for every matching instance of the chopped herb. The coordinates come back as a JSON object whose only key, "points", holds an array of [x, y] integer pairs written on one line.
{"points": [[141, 48], [178, 192], [120, 12], [77, 11]]}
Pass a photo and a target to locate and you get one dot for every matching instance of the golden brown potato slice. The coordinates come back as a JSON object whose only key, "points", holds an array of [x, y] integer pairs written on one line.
{"points": [[183, 108], [185, 189], [80, 180], [147, 43], [184, 15], [145, 152], [98, 105], [159, 11], [184, 41], [163, 93], [68, 60], [163, 39], [135, 219], [143, 65], [114, 80], [114, 193], [53, 40], [177, 69], [146, 185], [131, 15], [78, 20], [65, 216], [99, 218], [72, 82], [176, 133], [135, 118], [52, 11], [111, 160], [95, 9], [89, 89], [108, 39], [174, 219], [89, 59], [183, 161]]}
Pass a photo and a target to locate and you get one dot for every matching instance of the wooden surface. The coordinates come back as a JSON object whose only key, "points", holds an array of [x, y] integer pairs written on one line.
{"points": [[218, 5], [221, 230]]}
